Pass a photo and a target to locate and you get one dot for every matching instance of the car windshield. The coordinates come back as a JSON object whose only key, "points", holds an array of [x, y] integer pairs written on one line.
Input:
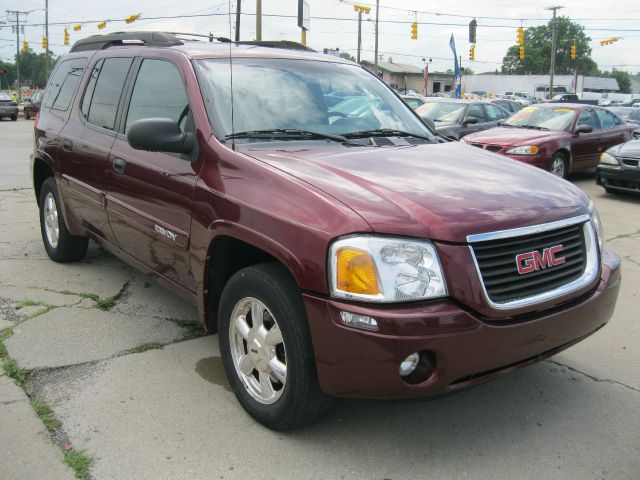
{"points": [[285, 96], [441, 111], [4, 96], [543, 118]]}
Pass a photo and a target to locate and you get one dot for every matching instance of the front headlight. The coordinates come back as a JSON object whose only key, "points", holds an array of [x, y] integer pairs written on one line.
{"points": [[523, 150], [597, 225], [385, 269], [607, 159]]}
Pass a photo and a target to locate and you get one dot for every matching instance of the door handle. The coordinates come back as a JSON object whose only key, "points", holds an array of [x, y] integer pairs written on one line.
{"points": [[119, 165], [67, 145]]}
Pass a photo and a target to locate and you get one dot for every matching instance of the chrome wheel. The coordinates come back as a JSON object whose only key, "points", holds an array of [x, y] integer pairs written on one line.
{"points": [[51, 226], [257, 350], [558, 167]]}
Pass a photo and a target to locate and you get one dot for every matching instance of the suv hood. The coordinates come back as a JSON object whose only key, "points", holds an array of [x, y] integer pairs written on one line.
{"points": [[507, 136], [629, 149], [439, 191]]}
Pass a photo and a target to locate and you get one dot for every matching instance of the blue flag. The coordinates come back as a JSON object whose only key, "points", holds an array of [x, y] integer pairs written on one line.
{"points": [[457, 79]]}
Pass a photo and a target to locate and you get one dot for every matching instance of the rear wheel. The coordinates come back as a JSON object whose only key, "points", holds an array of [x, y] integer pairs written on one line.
{"points": [[60, 245], [558, 165], [14, 117], [266, 348]]}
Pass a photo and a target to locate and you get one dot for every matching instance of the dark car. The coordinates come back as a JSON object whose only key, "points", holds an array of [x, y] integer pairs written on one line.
{"points": [[8, 107], [454, 119], [350, 253], [510, 106], [32, 106], [619, 168], [559, 138]]}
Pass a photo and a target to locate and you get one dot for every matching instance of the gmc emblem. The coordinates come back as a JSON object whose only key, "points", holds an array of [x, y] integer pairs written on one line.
{"points": [[534, 261]]}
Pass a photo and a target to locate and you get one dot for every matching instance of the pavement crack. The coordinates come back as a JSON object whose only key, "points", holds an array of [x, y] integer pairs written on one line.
{"points": [[592, 377], [9, 402]]}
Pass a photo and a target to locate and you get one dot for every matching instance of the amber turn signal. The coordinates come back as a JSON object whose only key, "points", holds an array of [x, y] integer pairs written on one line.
{"points": [[356, 272]]}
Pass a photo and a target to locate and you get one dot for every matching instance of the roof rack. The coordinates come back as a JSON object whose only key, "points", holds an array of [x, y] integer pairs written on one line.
{"points": [[287, 44], [150, 39]]}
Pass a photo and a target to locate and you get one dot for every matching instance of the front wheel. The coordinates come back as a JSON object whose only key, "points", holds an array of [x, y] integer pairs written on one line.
{"points": [[558, 166], [14, 117], [266, 348], [60, 245]]}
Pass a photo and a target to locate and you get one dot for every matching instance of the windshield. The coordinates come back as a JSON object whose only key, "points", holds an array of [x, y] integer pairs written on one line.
{"points": [[558, 119], [315, 96], [4, 96], [441, 111]]}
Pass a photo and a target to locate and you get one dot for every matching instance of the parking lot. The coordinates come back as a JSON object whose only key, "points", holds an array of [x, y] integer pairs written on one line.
{"points": [[138, 386]]}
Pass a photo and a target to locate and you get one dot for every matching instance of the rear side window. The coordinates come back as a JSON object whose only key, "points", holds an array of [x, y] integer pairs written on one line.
{"points": [[158, 92], [100, 102], [606, 119], [63, 84]]}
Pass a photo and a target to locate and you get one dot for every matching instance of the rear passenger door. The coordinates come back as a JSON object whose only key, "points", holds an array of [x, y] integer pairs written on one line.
{"points": [[86, 141], [150, 194], [585, 147], [612, 131]]}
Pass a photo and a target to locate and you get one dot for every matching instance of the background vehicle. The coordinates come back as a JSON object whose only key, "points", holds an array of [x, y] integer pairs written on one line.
{"points": [[414, 101], [8, 108], [32, 106], [344, 252], [510, 106], [619, 168], [456, 118], [556, 137]]}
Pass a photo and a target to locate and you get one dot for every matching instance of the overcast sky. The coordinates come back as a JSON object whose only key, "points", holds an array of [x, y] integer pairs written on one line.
{"points": [[601, 19]]}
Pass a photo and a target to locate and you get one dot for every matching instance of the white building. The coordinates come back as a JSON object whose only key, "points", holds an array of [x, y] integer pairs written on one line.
{"points": [[536, 85]]}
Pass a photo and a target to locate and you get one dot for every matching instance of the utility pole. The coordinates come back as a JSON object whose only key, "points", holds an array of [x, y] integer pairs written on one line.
{"points": [[554, 35], [259, 20], [359, 34], [375, 61], [46, 34], [238, 20], [17, 14]]}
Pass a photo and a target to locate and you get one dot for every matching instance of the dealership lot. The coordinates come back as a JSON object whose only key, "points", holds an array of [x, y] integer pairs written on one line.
{"points": [[89, 335]]}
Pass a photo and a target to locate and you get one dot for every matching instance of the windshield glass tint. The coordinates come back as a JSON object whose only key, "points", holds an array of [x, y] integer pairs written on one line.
{"points": [[318, 96], [559, 118], [441, 111]]}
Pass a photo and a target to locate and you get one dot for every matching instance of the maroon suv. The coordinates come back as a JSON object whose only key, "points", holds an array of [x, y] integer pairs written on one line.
{"points": [[349, 254]]}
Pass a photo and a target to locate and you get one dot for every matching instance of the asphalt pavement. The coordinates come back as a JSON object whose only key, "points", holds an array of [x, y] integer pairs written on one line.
{"points": [[137, 386]]}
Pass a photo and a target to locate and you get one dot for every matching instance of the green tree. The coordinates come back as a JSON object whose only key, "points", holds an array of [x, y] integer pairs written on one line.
{"points": [[347, 56], [32, 68], [537, 51], [624, 82]]}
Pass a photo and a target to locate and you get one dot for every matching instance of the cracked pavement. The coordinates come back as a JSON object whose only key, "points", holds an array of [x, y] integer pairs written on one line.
{"points": [[168, 413]]}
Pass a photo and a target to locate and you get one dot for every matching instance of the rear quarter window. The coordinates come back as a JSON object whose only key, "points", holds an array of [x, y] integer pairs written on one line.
{"points": [[64, 83]]}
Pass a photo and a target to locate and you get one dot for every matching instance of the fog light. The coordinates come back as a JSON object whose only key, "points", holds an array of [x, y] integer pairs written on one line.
{"points": [[409, 364], [359, 321]]}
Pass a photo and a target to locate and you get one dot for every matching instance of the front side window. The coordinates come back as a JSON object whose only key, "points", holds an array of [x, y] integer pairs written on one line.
{"points": [[324, 97], [101, 99], [63, 84], [477, 111], [588, 117], [494, 112], [158, 93]]}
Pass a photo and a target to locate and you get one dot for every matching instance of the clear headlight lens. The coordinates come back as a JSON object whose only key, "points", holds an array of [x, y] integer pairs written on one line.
{"points": [[607, 159], [523, 150], [385, 269], [597, 225]]}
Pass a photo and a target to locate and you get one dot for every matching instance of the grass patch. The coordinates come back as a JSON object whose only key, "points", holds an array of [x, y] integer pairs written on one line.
{"points": [[146, 346], [45, 414], [28, 303], [190, 325], [91, 296], [102, 303], [79, 462], [106, 303], [12, 370], [47, 308]]}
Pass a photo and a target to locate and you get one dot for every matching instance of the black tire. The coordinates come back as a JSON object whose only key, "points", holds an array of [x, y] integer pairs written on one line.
{"points": [[559, 157], [68, 248], [26, 116], [14, 117], [301, 401]]}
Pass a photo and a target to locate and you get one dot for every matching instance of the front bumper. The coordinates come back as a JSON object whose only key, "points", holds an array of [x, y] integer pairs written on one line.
{"points": [[538, 160], [469, 349], [624, 179]]}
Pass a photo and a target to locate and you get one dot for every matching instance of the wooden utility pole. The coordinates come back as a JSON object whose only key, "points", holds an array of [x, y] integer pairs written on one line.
{"points": [[238, 20], [554, 35], [17, 20], [375, 61], [259, 20]]}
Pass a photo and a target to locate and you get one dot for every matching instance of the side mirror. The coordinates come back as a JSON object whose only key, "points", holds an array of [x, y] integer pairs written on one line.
{"points": [[160, 135], [583, 129], [501, 122], [471, 120]]}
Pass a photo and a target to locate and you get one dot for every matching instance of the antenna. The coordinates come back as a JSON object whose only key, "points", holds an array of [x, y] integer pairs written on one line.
{"points": [[233, 129]]}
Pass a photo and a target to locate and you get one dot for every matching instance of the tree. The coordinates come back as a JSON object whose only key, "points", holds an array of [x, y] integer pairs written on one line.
{"points": [[537, 51], [31, 68], [624, 82], [347, 56]]}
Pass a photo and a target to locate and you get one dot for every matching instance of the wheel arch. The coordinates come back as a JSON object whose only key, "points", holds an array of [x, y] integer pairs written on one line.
{"points": [[41, 171]]}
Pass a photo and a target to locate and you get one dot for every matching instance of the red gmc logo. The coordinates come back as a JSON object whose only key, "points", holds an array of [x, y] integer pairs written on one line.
{"points": [[534, 261]]}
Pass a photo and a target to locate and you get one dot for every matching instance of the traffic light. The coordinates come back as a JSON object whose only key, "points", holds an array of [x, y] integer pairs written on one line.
{"points": [[77, 28], [45, 43], [361, 9], [520, 36], [472, 52], [414, 31], [132, 18], [66, 36], [25, 47], [609, 41], [473, 25], [573, 51], [102, 25], [521, 53]]}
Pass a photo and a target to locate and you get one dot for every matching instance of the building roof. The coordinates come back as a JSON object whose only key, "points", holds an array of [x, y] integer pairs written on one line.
{"points": [[393, 67], [600, 83]]}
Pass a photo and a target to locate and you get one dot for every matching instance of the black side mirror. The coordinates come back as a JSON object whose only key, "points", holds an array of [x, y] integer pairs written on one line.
{"points": [[160, 135], [583, 129], [471, 120]]}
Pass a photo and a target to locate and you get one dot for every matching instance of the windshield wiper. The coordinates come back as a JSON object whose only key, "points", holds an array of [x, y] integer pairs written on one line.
{"points": [[534, 127], [283, 133], [385, 132]]}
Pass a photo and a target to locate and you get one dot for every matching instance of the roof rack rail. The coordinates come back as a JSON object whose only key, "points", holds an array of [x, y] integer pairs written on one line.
{"points": [[150, 39], [287, 44]]}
